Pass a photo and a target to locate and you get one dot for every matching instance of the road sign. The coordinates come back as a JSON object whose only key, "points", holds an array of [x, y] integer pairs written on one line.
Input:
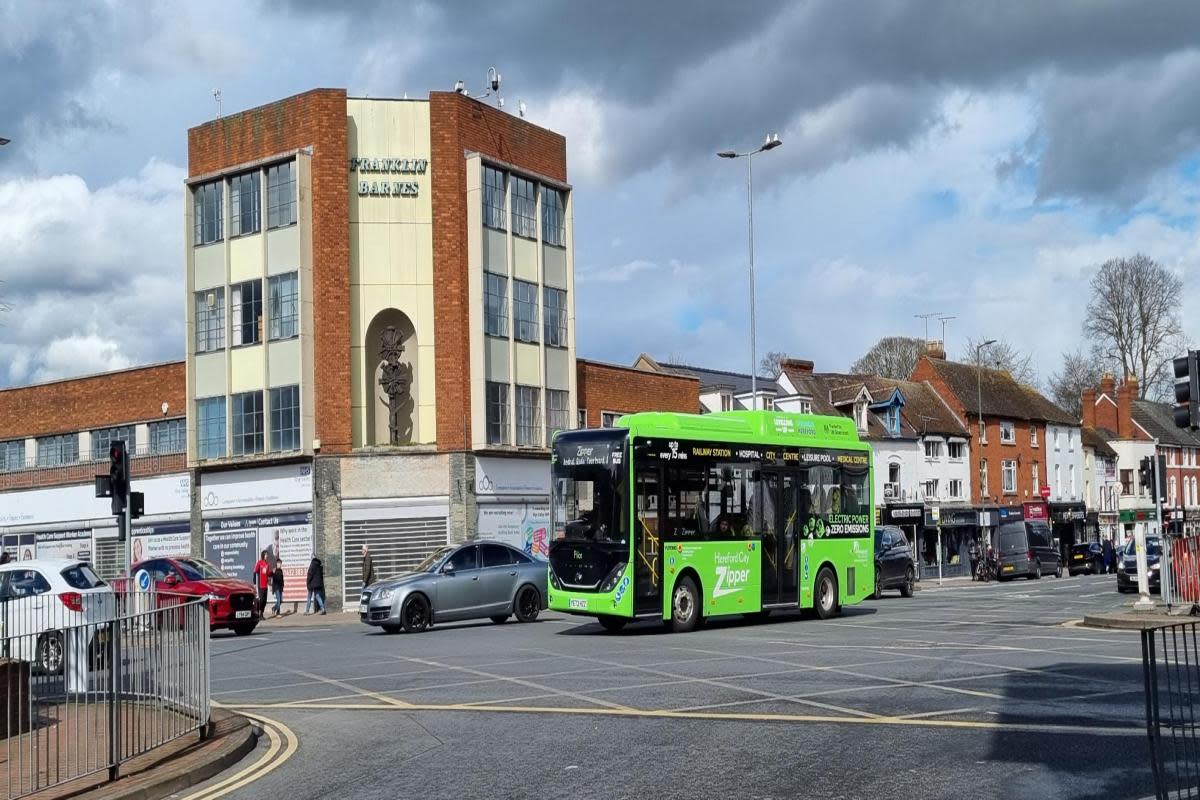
{"points": [[1045, 492], [143, 580]]}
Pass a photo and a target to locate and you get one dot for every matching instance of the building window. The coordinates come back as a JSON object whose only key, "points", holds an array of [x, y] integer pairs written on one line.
{"points": [[245, 303], [893, 420], [1008, 433], [608, 419], [860, 415], [1057, 439], [524, 208], [12, 455], [983, 479], [933, 450], [982, 426], [246, 416], [555, 316], [956, 450], [497, 413], [528, 412], [1070, 442], [210, 427], [104, 437], [956, 489], [55, 450], [1036, 485], [1009, 475], [581, 418], [285, 419], [495, 304], [168, 436], [554, 217], [281, 195], [525, 311], [558, 412], [283, 299], [245, 213], [806, 406], [1058, 480], [1126, 481], [210, 320], [1071, 479], [493, 199], [1033, 435], [207, 215], [1171, 490], [930, 489]]}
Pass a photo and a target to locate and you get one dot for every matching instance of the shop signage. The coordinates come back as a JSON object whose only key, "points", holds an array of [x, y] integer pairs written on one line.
{"points": [[515, 476], [387, 166], [1136, 514], [1045, 492], [263, 486], [162, 541], [75, 544], [1035, 511], [904, 514], [234, 546], [167, 494], [1069, 515]]}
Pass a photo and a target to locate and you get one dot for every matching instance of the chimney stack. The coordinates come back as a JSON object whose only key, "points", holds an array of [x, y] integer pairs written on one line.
{"points": [[1108, 385], [800, 365], [935, 349], [1125, 396], [1089, 408]]}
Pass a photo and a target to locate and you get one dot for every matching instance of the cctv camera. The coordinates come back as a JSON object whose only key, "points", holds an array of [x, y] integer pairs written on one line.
{"points": [[494, 79], [459, 86]]}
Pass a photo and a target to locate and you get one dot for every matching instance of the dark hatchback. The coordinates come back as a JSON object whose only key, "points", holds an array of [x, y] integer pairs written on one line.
{"points": [[894, 568], [1026, 548], [1127, 580], [1087, 557]]}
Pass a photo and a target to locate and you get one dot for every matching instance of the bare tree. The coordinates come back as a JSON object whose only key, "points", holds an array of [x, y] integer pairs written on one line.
{"points": [[1134, 316], [769, 364], [891, 357], [1003, 355], [1079, 371]]}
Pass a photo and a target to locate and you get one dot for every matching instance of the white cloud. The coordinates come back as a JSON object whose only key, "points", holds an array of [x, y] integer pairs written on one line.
{"points": [[80, 354]]}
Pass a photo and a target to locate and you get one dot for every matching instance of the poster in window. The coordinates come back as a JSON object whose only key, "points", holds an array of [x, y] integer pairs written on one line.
{"points": [[234, 546], [525, 526], [161, 541]]}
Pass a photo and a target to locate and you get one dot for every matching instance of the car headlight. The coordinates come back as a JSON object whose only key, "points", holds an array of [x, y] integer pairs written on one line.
{"points": [[1152, 567], [384, 594], [613, 576], [212, 598]]}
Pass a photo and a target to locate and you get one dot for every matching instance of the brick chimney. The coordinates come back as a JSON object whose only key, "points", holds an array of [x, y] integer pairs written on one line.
{"points": [[800, 365], [1108, 385], [1089, 408], [935, 349], [1125, 395]]}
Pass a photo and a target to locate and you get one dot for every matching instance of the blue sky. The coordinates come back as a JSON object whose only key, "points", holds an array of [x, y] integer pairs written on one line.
{"points": [[978, 160]]}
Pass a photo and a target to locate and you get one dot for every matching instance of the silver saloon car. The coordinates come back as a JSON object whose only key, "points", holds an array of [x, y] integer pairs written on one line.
{"points": [[483, 579]]}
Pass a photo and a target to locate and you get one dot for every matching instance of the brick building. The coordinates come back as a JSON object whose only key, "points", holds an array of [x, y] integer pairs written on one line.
{"points": [[380, 345]]}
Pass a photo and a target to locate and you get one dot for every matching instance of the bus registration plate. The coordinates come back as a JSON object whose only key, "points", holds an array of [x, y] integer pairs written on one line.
{"points": [[579, 603]]}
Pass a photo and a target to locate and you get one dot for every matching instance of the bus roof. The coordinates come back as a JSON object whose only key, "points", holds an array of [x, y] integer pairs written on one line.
{"points": [[764, 427]]}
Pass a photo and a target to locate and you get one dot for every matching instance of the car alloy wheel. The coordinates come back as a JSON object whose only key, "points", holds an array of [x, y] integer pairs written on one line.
{"points": [[50, 653], [529, 603], [414, 616]]}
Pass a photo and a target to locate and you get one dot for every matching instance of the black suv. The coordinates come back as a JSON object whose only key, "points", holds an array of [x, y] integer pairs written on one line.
{"points": [[894, 567], [1086, 557]]}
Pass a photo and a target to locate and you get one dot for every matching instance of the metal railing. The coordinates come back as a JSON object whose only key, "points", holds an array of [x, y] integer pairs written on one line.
{"points": [[1180, 570], [1171, 670], [146, 460], [96, 680]]}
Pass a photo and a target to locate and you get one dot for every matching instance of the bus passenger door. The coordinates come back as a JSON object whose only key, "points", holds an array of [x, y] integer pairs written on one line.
{"points": [[789, 540], [772, 551], [647, 541]]}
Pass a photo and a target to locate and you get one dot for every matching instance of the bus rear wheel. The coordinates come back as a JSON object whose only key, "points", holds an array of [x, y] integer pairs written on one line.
{"points": [[826, 605], [612, 624], [685, 605]]}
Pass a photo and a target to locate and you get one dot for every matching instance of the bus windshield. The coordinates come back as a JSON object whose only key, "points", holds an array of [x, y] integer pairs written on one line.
{"points": [[590, 518]]}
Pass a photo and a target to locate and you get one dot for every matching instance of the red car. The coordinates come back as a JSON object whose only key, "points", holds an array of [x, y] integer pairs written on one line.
{"points": [[232, 603]]}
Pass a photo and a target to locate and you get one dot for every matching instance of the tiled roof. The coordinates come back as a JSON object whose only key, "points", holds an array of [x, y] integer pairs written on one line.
{"points": [[1158, 420], [1002, 396], [1098, 441], [924, 410]]}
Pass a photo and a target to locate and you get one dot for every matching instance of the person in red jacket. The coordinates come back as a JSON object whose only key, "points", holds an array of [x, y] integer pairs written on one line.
{"points": [[262, 578]]}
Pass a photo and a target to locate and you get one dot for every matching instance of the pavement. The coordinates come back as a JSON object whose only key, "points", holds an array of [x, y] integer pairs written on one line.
{"points": [[985, 690]]}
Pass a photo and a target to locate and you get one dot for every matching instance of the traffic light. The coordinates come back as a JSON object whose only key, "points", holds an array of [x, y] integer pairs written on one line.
{"points": [[1162, 477], [1146, 475], [118, 475], [1187, 391]]}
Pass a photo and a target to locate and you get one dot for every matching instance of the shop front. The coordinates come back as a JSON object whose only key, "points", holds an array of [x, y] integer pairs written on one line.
{"points": [[1067, 526], [513, 502], [247, 511], [946, 539], [1131, 519]]}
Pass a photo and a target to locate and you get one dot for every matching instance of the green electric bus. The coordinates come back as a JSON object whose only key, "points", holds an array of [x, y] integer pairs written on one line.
{"points": [[683, 516]]}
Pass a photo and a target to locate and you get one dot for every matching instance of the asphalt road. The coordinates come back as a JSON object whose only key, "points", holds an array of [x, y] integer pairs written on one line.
{"points": [[982, 691]]}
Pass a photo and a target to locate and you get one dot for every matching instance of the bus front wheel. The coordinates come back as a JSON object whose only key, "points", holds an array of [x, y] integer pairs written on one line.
{"points": [[826, 593], [685, 605]]}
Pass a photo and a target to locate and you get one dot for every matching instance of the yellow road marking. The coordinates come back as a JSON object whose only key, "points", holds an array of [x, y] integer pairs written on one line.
{"points": [[283, 744], [1027, 727]]}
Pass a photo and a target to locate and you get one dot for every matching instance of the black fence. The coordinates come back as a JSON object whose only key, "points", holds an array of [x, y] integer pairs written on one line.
{"points": [[1171, 668]]}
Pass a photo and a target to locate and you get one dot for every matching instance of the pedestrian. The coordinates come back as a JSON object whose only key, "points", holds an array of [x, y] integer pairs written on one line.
{"points": [[262, 576], [5, 557], [973, 555], [368, 568], [1107, 549], [316, 586], [277, 585]]}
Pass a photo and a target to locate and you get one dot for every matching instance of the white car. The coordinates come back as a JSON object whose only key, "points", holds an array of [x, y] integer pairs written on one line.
{"points": [[41, 599]]}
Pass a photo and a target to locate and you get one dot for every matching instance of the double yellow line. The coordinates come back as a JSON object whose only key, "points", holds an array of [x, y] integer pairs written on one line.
{"points": [[282, 745]]}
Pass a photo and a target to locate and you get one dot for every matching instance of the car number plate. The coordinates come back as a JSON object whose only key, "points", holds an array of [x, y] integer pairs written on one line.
{"points": [[241, 615], [1008, 568], [1079, 558], [362, 609], [578, 602]]}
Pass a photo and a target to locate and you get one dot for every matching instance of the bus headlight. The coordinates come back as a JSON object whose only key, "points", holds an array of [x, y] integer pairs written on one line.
{"points": [[613, 577]]}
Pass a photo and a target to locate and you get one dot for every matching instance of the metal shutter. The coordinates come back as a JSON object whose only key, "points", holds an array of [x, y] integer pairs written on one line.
{"points": [[109, 558], [397, 545]]}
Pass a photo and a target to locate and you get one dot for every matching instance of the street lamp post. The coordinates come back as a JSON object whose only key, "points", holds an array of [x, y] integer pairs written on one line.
{"points": [[770, 143], [979, 404]]}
